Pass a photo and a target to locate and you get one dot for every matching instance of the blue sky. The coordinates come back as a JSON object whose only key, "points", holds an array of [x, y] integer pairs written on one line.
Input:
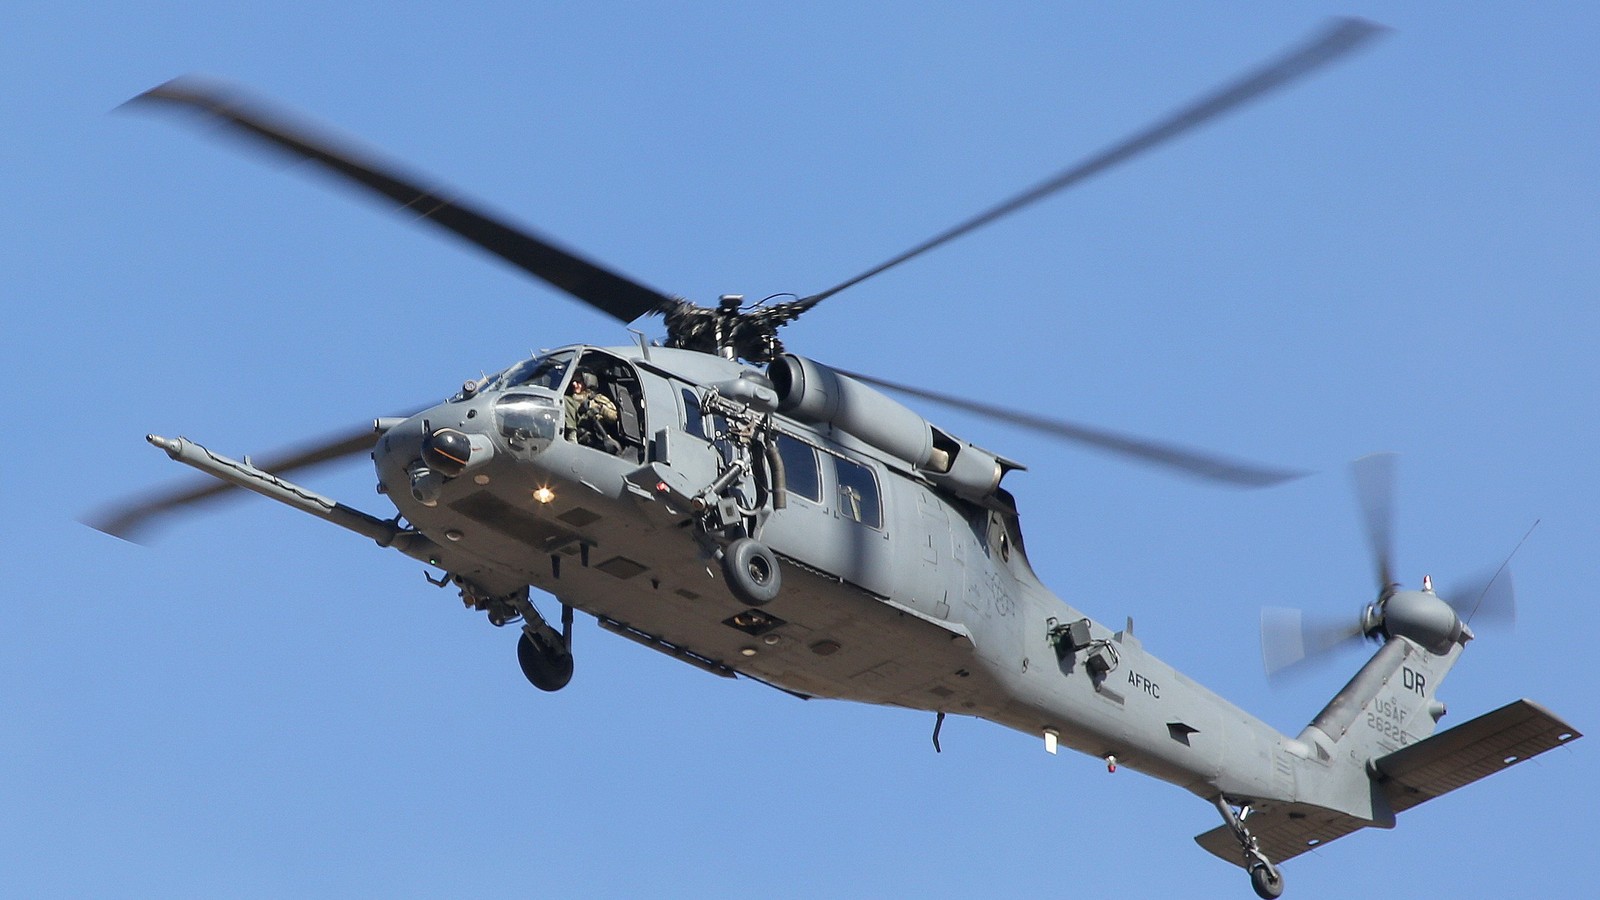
{"points": [[1399, 254]]}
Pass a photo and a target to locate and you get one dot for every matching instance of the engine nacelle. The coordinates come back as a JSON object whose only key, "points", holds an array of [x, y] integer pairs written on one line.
{"points": [[813, 393], [973, 474]]}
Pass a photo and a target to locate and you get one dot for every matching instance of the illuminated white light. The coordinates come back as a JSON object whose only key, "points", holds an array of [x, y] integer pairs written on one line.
{"points": [[1051, 737], [747, 651], [544, 495]]}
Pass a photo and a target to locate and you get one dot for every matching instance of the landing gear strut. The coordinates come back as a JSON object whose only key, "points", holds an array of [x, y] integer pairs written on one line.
{"points": [[544, 654], [1264, 876]]}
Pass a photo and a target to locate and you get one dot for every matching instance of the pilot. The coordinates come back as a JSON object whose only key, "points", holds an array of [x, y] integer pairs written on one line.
{"points": [[590, 415]]}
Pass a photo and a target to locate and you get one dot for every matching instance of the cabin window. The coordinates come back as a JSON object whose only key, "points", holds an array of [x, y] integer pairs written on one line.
{"points": [[694, 418], [858, 493], [801, 474]]}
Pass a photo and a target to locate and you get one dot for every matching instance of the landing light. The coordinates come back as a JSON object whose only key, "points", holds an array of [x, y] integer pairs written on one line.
{"points": [[544, 495]]}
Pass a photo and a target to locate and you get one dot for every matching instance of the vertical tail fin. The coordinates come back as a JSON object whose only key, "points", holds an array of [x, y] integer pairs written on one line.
{"points": [[1389, 704]]}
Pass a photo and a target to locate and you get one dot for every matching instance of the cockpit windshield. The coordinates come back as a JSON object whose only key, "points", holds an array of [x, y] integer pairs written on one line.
{"points": [[541, 371]]}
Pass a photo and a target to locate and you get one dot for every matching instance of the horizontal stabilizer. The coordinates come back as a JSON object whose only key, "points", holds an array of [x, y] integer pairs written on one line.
{"points": [[1283, 832], [1416, 774], [1468, 752]]}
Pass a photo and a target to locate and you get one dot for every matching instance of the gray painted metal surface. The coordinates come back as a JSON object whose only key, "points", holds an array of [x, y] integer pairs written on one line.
{"points": [[895, 589]]}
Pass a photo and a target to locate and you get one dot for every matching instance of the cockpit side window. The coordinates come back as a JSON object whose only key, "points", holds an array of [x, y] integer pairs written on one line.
{"points": [[617, 380], [541, 371]]}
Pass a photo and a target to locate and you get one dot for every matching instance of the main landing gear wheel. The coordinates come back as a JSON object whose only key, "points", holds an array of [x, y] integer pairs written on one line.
{"points": [[547, 667], [1267, 882], [751, 571]]}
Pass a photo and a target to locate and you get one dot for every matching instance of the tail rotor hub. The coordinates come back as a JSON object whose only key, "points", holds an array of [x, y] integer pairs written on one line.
{"points": [[1423, 617]]}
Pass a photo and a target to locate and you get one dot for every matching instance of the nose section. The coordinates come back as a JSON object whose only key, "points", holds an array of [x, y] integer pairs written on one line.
{"points": [[420, 455], [398, 458]]}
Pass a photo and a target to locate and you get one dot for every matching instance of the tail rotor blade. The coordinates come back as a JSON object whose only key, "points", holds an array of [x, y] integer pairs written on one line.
{"points": [[1289, 640], [1374, 481], [1489, 600]]}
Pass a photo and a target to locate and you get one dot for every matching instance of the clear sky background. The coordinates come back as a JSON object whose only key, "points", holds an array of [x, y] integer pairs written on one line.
{"points": [[1399, 254]]}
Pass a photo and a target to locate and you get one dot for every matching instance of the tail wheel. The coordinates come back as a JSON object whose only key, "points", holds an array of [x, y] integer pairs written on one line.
{"points": [[751, 571], [1267, 882]]}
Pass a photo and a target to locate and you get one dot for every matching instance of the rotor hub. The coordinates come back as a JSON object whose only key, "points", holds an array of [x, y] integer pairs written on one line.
{"points": [[1422, 617]]}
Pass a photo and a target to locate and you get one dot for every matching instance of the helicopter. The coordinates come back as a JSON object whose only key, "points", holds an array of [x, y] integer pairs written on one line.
{"points": [[758, 514]]}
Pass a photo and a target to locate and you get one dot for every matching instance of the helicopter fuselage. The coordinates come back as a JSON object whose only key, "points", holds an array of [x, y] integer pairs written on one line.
{"points": [[894, 590], [904, 582], [797, 527]]}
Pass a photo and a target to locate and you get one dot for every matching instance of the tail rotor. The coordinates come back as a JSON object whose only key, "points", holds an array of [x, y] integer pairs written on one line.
{"points": [[1291, 640]]}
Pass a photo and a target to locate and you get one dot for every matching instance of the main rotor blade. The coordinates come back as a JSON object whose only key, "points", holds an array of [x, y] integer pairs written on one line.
{"points": [[1374, 481], [1335, 40], [133, 520], [595, 285], [1169, 456]]}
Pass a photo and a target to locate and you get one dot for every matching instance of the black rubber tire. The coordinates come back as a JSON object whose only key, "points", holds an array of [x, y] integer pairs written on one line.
{"points": [[751, 571], [1268, 885], [548, 669]]}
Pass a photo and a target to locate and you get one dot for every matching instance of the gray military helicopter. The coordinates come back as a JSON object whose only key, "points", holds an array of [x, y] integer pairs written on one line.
{"points": [[755, 513]]}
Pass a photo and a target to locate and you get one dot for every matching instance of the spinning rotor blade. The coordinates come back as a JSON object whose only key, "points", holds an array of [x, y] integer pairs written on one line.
{"points": [[1335, 40], [1168, 456], [133, 521], [1490, 599], [1289, 641], [595, 285], [1374, 481]]}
